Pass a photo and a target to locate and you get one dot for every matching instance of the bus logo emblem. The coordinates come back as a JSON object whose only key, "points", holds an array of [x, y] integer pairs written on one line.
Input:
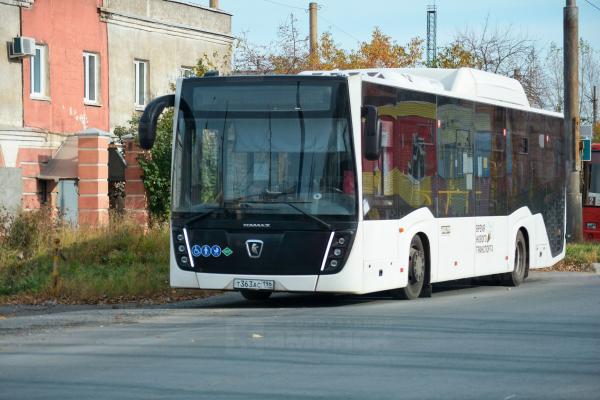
{"points": [[254, 248]]}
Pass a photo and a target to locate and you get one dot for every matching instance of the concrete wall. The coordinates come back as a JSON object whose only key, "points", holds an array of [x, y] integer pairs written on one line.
{"points": [[68, 28], [10, 195], [167, 34], [11, 89]]}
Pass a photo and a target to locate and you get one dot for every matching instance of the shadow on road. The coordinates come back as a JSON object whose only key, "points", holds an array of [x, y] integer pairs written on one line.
{"points": [[302, 300], [233, 300]]}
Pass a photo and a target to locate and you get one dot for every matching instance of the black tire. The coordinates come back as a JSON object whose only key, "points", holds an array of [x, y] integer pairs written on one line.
{"points": [[256, 295], [417, 270], [517, 276]]}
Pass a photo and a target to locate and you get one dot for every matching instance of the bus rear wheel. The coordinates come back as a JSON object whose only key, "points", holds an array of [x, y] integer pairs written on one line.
{"points": [[256, 295], [517, 276], [417, 266]]}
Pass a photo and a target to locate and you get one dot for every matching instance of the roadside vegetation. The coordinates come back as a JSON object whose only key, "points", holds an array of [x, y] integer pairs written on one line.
{"points": [[579, 258], [119, 263]]}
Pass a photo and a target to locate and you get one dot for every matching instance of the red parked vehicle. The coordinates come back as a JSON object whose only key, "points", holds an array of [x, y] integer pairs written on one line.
{"points": [[591, 207]]}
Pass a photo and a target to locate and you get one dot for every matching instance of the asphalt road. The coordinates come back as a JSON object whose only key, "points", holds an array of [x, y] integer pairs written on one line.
{"points": [[538, 341]]}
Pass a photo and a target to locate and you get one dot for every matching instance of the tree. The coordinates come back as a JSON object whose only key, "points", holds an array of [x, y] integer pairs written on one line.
{"points": [[292, 49], [330, 55], [589, 76], [291, 54], [496, 50], [455, 56], [287, 55], [249, 57], [554, 65], [383, 52], [212, 62], [533, 78], [501, 51]]}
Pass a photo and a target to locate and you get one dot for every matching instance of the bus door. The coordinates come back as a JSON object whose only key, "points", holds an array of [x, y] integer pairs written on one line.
{"points": [[380, 214], [456, 224], [489, 190]]}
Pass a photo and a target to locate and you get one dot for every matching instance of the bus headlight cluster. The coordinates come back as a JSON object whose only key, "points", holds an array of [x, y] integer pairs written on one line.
{"points": [[338, 251], [181, 254]]}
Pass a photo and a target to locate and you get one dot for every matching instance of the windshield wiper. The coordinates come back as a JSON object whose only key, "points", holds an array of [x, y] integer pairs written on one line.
{"points": [[198, 217], [291, 204]]}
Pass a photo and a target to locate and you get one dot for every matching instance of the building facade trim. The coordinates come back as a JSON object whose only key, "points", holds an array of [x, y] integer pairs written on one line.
{"points": [[196, 5], [111, 16], [18, 3]]}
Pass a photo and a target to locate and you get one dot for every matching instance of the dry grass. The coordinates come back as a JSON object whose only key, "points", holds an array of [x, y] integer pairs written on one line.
{"points": [[118, 263]]}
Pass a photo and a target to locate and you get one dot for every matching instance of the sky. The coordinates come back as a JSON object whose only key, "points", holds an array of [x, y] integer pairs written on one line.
{"points": [[351, 21]]}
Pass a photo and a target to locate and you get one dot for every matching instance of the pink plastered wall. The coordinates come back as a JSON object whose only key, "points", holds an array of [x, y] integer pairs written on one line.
{"points": [[68, 28]]}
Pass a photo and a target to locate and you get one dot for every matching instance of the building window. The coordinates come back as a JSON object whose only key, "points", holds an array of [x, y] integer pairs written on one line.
{"points": [[39, 72], [186, 72], [91, 82], [141, 79]]}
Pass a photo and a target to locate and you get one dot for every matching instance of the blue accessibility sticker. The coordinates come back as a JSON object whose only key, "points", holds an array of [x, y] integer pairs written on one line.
{"points": [[196, 250], [215, 250], [206, 251]]}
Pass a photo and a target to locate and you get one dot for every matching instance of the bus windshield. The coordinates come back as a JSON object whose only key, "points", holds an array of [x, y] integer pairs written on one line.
{"points": [[269, 145]]}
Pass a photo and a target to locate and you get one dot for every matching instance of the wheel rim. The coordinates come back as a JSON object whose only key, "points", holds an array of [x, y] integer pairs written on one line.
{"points": [[417, 266], [518, 258]]}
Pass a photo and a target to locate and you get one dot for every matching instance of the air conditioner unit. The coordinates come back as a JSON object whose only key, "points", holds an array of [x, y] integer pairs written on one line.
{"points": [[22, 46]]}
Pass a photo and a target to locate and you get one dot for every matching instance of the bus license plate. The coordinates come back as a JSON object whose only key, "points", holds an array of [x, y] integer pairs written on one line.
{"points": [[255, 284]]}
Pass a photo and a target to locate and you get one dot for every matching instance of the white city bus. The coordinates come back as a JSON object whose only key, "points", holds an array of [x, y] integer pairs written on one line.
{"points": [[360, 181]]}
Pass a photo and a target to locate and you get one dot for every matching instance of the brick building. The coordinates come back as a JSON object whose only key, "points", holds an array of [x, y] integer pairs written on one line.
{"points": [[92, 65]]}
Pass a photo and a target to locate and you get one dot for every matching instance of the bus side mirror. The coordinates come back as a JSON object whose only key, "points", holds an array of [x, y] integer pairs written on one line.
{"points": [[147, 126], [372, 134]]}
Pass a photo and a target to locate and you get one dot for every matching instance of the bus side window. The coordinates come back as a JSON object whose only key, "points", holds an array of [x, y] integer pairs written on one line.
{"points": [[403, 179], [455, 157], [489, 161]]}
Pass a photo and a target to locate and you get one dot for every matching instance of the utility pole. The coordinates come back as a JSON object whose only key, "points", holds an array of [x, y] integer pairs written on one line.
{"points": [[594, 108], [312, 10], [517, 74], [571, 77]]}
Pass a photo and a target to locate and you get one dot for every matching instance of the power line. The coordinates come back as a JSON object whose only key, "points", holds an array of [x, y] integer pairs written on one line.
{"points": [[284, 5], [593, 5], [320, 16], [340, 29]]}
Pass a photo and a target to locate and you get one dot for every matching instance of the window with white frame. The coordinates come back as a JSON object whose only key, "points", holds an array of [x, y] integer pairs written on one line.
{"points": [[141, 79], [186, 72], [39, 71], [91, 82]]}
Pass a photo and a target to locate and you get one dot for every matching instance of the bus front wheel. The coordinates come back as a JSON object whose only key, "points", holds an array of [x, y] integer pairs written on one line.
{"points": [[417, 268], [517, 276], [256, 295]]}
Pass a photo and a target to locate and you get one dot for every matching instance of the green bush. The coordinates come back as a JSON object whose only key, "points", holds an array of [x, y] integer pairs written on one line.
{"points": [[155, 164], [157, 168]]}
